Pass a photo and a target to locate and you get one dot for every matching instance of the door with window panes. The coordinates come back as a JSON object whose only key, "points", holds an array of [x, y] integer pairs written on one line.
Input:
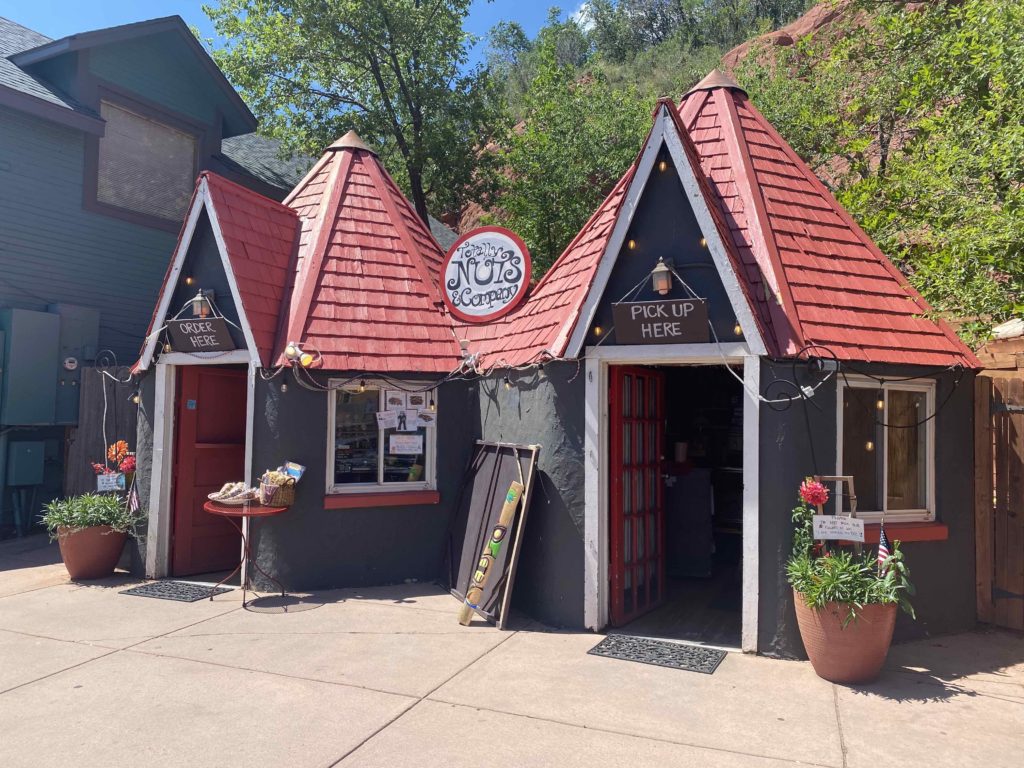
{"points": [[637, 551]]}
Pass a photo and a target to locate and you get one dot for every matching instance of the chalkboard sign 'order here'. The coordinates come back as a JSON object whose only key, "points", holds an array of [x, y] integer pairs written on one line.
{"points": [[209, 334], [670, 321]]}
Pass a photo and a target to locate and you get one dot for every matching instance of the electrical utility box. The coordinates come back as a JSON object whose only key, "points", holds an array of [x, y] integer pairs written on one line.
{"points": [[25, 462], [79, 339], [31, 355]]}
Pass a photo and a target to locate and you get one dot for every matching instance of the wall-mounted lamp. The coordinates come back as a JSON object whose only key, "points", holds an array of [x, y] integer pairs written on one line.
{"points": [[201, 306], [662, 165], [189, 280], [631, 244], [661, 278], [703, 242], [598, 330], [869, 446]]}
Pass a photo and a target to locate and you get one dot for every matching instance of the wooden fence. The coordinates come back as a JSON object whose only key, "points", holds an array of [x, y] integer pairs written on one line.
{"points": [[999, 497], [103, 400]]}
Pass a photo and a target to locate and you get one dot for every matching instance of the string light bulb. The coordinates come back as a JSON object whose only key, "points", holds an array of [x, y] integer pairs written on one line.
{"points": [[362, 385], [869, 446], [284, 388], [167, 347], [508, 382], [662, 165], [306, 359], [631, 244], [703, 242], [136, 398], [189, 280], [598, 330], [432, 405], [292, 351], [737, 329]]}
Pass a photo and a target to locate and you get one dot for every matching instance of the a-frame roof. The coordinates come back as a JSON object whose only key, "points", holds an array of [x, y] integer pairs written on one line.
{"points": [[256, 238], [814, 282], [366, 283]]}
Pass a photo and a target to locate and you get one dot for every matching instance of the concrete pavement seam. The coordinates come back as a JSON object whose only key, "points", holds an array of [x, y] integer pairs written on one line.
{"points": [[839, 723], [105, 655], [421, 699], [614, 732]]}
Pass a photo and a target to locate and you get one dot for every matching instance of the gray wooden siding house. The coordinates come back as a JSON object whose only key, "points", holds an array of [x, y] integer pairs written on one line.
{"points": [[102, 135]]}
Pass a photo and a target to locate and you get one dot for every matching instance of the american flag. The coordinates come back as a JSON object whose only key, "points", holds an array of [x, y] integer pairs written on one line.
{"points": [[133, 499], [883, 549]]}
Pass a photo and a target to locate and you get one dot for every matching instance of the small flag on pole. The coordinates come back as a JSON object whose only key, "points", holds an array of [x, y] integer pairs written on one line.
{"points": [[133, 499], [884, 549]]}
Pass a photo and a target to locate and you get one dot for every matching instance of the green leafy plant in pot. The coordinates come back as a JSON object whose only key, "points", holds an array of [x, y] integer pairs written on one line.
{"points": [[91, 530], [846, 602]]}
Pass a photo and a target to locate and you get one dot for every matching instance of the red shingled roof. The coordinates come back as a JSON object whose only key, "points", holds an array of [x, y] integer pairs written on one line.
{"points": [[810, 274], [259, 236], [366, 290], [833, 284]]}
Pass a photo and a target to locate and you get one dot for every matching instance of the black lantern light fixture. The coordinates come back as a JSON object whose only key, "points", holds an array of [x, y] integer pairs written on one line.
{"points": [[661, 278], [201, 303]]}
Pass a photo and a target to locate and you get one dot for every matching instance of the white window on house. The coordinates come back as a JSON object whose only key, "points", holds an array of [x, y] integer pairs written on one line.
{"points": [[364, 455], [886, 441], [143, 165]]}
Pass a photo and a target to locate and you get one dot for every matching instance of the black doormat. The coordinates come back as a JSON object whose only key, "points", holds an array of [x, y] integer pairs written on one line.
{"points": [[174, 590], [694, 658]]}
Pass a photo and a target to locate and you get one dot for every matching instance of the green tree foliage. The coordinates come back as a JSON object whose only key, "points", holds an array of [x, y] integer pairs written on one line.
{"points": [[395, 70], [579, 136], [916, 119]]}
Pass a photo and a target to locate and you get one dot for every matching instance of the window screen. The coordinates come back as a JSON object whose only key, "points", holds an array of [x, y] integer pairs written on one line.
{"points": [[144, 165]]}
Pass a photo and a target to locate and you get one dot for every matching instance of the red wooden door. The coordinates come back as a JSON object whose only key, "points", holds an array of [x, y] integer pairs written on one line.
{"points": [[637, 552], [209, 451]]}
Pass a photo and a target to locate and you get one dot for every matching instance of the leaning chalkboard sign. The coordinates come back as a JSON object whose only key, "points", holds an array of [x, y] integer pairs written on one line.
{"points": [[494, 467], [208, 334]]}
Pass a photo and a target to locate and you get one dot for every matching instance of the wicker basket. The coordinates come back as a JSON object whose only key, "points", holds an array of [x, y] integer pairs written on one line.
{"points": [[277, 495]]}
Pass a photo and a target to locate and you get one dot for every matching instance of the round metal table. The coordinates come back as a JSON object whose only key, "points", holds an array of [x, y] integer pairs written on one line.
{"points": [[236, 514]]}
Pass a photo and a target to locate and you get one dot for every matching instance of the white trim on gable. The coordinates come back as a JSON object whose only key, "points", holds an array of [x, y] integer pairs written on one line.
{"points": [[664, 131], [202, 200]]}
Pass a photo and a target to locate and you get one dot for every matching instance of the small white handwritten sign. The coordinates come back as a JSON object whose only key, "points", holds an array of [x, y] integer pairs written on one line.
{"points": [[110, 482], [838, 527]]}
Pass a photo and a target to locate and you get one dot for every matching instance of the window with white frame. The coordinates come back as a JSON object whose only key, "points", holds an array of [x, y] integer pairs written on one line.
{"points": [[886, 442], [391, 452]]}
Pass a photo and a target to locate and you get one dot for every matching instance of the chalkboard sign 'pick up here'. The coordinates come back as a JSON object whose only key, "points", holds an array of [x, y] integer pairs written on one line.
{"points": [[209, 334], [669, 321]]}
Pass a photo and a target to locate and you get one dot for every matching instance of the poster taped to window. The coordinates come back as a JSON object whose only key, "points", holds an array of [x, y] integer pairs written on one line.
{"points": [[405, 445]]}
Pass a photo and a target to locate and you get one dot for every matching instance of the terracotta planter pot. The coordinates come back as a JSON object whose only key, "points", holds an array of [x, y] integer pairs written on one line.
{"points": [[854, 654], [90, 553]]}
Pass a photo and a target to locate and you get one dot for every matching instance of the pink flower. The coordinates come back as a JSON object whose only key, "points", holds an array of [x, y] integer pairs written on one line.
{"points": [[813, 493], [127, 464]]}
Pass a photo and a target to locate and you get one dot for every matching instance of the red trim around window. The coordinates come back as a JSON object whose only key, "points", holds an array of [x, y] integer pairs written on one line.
{"points": [[904, 532], [381, 499]]}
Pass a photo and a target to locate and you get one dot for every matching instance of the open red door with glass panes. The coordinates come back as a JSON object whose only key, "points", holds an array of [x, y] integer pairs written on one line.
{"points": [[637, 554]]}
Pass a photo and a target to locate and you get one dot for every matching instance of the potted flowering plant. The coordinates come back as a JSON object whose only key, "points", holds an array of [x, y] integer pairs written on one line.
{"points": [[91, 529], [845, 602]]}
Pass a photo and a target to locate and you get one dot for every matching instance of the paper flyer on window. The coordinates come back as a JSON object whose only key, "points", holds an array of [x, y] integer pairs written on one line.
{"points": [[407, 445], [387, 419]]}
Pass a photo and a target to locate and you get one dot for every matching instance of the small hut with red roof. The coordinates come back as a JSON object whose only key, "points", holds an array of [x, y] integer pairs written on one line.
{"points": [[718, 330]]}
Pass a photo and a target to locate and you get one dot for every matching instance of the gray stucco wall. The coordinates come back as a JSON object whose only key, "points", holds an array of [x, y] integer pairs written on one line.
{"points": [[801, 441], [310, 547], [546, 408]]}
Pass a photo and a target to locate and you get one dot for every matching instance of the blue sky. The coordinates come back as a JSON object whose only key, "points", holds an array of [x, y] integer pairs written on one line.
{"points": [[57, 18]]}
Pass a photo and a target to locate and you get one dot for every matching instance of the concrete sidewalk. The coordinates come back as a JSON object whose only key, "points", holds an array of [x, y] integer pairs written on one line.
{"points": [[386, 677]]}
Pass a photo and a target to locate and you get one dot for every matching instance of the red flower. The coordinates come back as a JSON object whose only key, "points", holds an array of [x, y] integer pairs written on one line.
{"points": [[99, 469], [127, 464], [813, 493]]}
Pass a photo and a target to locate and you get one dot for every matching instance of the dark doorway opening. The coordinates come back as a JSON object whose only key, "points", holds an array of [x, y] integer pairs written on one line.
{"points": [[701, 505], [209, 451]]}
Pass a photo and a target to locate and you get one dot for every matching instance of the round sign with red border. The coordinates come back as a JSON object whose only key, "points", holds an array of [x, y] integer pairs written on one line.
{"points": [[485, 274]]}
